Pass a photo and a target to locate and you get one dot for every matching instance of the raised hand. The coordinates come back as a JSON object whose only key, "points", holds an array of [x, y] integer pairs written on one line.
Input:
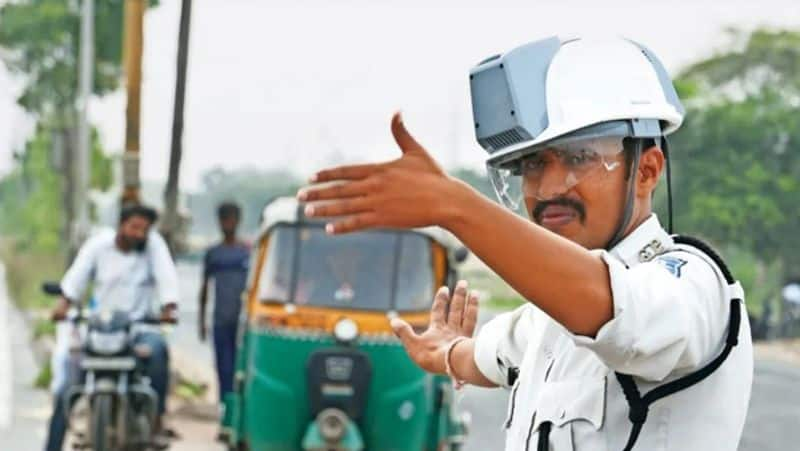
{"points": [[450, 319], [411, 191]]}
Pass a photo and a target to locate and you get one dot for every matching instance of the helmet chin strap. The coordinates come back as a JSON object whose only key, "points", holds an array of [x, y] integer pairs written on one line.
{"points": [[630, 195], [665, 149]]}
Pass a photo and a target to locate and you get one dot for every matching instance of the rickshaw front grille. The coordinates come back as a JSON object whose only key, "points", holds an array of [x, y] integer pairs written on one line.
{"points": [[318, 336]]}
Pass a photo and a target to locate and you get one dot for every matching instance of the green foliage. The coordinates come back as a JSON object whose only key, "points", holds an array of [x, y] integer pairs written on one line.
{"points": [[763, 59], [42, 380], [31, 197], [476, 179], [24, 283], [102, 173], [736, 163], [761, 280], [502, 303], [190, 390], [44, 327], [43, 39], [40, 42]]}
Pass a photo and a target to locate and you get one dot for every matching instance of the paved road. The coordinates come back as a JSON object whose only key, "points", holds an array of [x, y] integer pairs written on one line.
{"points": [[772, 423], [24, 411]]}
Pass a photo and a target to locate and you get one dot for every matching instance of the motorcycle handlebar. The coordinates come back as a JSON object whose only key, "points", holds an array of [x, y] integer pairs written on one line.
{"points": [[52, 288]]}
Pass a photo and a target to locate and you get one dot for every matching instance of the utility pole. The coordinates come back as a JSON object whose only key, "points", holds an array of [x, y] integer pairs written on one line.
{"points": [[82, 165], [134, 18], [171, 215]]}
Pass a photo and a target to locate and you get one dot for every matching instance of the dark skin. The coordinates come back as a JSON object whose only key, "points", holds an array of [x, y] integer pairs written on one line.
{"points": [[131, 236], [548, 261], [228, 225]]}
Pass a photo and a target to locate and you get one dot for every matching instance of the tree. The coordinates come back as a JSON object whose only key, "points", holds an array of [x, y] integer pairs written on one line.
{"points": [[40, 43], [737, 159], [761, 60], [30, 196], [252, 189], [42, 39], [476, 179]]}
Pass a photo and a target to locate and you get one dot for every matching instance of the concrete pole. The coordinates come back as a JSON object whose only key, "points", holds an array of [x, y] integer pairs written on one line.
{"points": [[82, 164]]}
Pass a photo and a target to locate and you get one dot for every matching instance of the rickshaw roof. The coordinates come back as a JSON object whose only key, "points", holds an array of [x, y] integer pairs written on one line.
{"points": [[287, 210]]}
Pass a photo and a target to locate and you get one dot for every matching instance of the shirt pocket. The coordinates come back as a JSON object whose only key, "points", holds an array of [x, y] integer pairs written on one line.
{"points": [[575, 409]]}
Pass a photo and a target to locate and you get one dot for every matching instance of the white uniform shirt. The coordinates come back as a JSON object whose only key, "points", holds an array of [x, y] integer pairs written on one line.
{"points": [[671, 314], [132, 282]]}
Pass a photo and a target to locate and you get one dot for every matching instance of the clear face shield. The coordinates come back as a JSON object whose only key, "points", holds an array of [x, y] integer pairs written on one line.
{"points": [[549, 172]]}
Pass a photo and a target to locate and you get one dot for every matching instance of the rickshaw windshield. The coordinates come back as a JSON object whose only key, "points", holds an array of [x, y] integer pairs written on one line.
{"points": [[376, 270]]}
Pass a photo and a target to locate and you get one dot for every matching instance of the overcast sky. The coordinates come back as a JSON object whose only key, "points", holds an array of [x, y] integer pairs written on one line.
{"points": [[301, 84]]}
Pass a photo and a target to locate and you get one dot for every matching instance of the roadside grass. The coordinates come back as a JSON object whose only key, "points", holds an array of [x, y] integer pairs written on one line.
{"points": [[190, 390], [495, 294], [26, 269]]}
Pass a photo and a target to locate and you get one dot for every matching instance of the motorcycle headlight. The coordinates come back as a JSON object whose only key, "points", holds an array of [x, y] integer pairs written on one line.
{"points": [[107, 342], [345, 331]]}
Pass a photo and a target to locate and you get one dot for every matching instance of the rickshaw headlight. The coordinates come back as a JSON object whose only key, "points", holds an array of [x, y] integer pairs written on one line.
{"points": [[345, 331], [332, 424]]}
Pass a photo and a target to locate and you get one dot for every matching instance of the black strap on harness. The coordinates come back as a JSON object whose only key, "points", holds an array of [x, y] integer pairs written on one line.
{"points": [[638, 404]]}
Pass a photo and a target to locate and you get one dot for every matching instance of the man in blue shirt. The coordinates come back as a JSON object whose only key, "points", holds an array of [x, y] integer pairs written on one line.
{"points": [[226, 265]]}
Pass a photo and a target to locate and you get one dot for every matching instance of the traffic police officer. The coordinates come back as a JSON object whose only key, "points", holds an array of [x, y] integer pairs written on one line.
{"points": [[633, 338]]}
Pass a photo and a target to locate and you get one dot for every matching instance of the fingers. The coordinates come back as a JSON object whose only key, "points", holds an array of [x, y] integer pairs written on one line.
{"points": [[353, 223], [439, 308], [342, 207], [402, 137], [338, 191], [353, 172], [457, 304], [470, 315], [403, 331]]}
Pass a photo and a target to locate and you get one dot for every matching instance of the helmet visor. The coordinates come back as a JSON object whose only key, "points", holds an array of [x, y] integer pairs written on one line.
{"points": [[549, 172]]}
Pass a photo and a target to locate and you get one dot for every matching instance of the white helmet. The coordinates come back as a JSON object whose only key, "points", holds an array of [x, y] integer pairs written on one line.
{"points": [[551, 89], [577, 97]]}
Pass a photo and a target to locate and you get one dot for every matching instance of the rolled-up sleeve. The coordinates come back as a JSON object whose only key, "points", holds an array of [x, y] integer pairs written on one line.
{"points": [[500, 344], [670, 316], [80, 272]]}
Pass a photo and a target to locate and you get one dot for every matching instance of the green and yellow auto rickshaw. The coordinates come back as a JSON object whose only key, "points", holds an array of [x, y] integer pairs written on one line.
{"points": [[318, 367]]}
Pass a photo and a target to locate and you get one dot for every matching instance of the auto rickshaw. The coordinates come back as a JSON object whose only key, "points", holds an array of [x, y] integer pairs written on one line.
{"points": [[318, 367]]}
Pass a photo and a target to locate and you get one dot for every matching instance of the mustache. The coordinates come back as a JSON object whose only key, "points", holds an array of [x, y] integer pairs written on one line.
{"points": [[540, 207]]}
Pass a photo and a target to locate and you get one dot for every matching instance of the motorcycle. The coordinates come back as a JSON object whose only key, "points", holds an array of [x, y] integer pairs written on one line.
{"points": [[122, 405]]}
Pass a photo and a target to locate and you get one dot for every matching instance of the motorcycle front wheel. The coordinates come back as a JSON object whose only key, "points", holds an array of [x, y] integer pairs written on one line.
{"points": [[100, 429]]}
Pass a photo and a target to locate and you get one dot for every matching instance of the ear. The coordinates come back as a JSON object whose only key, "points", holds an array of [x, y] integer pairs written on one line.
{"points": [[651, 164]]}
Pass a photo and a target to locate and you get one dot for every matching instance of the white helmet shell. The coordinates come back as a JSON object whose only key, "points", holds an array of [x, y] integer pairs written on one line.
{"points": [[547, 90]]}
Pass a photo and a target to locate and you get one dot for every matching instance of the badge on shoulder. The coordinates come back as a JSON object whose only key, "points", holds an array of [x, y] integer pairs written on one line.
{"points": [[673, 264]]}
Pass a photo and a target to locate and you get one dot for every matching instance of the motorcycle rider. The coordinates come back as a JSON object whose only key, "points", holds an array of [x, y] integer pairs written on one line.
{"points": [[128, 268]]}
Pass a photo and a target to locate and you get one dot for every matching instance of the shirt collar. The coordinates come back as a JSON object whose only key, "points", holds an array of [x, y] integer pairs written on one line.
{"points": [[644, 243]]}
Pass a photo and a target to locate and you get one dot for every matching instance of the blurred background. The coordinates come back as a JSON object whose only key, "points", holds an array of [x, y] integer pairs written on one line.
{"points": [[273, 90]]}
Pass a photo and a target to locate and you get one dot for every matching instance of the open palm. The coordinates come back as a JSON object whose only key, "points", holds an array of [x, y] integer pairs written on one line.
{"points": [[450, 319]]}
